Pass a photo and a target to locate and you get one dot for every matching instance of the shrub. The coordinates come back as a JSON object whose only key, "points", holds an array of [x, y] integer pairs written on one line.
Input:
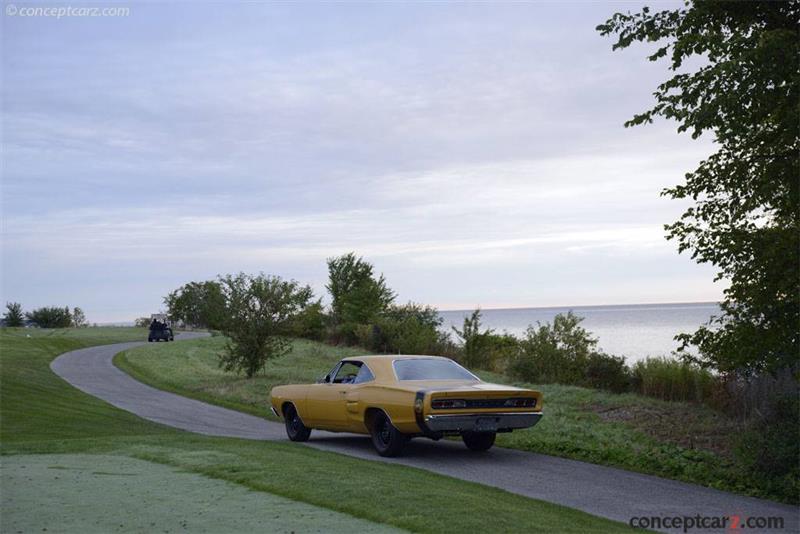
{"points": [[501, 350], [310, 323], [403, 336], [407, 329], [672, 379], [604, 371], [476, 345], [557, 353], [769, 447]]}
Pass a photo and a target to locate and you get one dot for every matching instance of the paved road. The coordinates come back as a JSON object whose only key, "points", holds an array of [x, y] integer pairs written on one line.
{"points": [[603, 491]]}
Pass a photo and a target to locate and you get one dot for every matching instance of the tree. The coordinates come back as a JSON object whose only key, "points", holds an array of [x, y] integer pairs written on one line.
{"points": [[357, 296], [197, 304], [14, 315], [51, 317], [142, 322], [744, 221], [259, 314], [78, 318]]}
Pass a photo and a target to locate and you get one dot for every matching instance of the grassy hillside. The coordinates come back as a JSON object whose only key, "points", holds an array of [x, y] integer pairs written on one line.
{"points": [[676, 440], [42, 414], [36, 405]]}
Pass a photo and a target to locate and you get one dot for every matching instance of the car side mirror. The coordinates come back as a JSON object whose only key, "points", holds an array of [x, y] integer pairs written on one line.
{"points": [[322, 380]]}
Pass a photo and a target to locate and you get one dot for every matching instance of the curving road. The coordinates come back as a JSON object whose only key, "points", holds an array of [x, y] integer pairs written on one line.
{"points": [[603, 491]]}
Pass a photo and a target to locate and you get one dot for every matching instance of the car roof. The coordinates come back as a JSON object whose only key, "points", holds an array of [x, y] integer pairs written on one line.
{"points": [[379, 357], [382, 366]]}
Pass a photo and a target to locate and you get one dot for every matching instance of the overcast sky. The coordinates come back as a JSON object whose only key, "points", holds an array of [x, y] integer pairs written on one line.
{"points": [[474, 153]]}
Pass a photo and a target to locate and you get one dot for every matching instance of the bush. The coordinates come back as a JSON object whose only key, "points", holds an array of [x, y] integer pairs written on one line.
{"points": [[310, 323], [557, 353], [407, 329], [501, 350], [769, 448], [478, 348], [604, 371], [673, 380]]}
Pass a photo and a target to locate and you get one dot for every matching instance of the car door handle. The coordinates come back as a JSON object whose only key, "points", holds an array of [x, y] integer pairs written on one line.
{"points": [[342, 392]]}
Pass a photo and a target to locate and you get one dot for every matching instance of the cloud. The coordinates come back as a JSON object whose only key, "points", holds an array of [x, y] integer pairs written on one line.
{"points": [[472, 152]]}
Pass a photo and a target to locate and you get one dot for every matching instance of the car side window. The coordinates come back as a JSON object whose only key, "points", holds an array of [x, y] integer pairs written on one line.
{"points": [[364, 375], [347, 373]]}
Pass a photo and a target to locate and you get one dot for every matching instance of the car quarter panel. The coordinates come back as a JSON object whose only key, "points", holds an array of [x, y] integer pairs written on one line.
{"points": [[397, 403], [296, 394]]}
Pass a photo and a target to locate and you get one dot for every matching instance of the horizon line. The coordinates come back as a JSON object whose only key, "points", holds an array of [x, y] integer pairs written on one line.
{"points": [[576, 306]]}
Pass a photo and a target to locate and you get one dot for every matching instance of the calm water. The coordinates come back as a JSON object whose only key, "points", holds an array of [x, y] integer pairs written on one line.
{"points": [[634, 331]]}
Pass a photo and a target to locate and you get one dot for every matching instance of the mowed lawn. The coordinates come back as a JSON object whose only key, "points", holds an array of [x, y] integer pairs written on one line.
{"points": [[43, 415], [677, 440]]}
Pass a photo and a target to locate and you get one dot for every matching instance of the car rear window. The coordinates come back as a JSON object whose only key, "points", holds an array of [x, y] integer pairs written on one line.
{"points": [[430, 369]]}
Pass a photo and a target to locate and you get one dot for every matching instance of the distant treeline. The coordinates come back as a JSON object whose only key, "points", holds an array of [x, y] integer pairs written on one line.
{"points": [[45, 317]]}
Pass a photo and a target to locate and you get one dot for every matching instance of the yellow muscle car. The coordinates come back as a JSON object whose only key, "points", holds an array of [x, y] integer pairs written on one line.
{"points": [[396, 398]]}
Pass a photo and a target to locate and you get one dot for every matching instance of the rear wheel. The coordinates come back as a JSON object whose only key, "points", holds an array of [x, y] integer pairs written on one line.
{"points": [[478, 441], [388, 441], [295, 428]]}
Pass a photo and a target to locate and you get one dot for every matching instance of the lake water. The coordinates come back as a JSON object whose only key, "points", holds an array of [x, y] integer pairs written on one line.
{"points": [[634, 331]]}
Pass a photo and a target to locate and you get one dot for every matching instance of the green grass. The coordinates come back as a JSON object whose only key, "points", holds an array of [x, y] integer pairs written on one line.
{"points": [[83, 492], [678, 440], [42, 414], [38, 405]]}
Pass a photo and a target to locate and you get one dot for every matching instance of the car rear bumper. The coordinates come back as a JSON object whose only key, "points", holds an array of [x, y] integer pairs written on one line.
{"points": [[483, 422]]}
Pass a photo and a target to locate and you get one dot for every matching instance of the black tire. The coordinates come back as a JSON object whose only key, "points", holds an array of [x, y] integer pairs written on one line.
{"points": [[386, 439], [295, 428], [478, 441], [149, 339]]}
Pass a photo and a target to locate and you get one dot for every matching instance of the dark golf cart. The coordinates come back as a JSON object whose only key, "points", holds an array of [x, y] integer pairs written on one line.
{"points": [[160, 330]]}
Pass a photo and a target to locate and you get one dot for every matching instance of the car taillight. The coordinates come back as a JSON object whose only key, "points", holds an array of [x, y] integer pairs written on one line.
{"points": [[443, 404], [527, 402]]}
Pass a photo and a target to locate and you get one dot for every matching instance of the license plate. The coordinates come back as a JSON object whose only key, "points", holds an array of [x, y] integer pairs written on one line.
{"points": [[486, 424]]}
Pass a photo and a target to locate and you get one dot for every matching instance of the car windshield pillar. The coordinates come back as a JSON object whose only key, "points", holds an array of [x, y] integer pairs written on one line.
{"points": [[332, 373]]}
